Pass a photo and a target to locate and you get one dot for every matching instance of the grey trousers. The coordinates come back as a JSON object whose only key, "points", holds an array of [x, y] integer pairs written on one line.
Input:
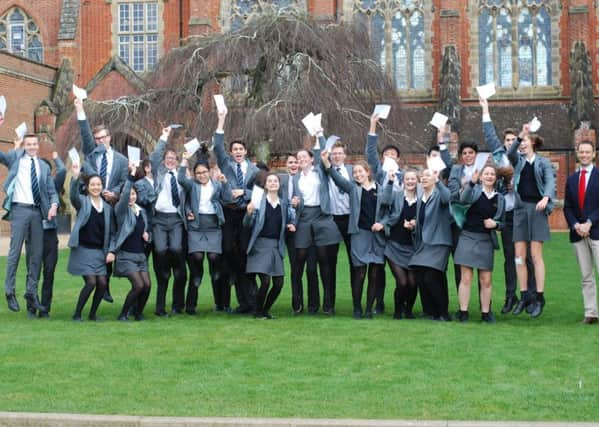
{"points": [[25, 225]]}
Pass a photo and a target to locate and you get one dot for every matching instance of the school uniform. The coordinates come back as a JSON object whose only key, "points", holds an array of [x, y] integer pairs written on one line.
{"points": [[399, 246], [376, 167]]}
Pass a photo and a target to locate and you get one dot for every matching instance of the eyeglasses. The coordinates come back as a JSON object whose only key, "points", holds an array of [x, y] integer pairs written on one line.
{"points": [[101, 137]]}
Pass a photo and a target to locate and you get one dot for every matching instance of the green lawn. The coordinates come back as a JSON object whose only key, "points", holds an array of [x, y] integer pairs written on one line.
{"points": [[308, 366]]}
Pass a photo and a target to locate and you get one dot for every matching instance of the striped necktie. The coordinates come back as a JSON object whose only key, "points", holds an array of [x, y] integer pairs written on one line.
{"points": [[174, 190], [103, 169], [239, 176], [35, 186]]}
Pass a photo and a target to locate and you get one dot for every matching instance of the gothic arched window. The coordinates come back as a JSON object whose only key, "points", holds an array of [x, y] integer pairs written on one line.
{"points": [[239, 11], [20, 35]]}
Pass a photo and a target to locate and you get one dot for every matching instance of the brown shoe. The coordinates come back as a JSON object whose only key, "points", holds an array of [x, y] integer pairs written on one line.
{"points": [[589, 320]]}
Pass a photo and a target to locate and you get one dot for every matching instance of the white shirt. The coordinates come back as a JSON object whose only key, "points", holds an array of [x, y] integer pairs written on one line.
{"points": [[589, 169], [164, 202], [206, 207], [109, 158], [532, 159], [339, 202], [309, 187], [150, 180], [23, 192], [290, 186]]}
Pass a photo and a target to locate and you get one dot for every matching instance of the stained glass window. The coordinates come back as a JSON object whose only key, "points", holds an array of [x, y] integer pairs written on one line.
{"points": [[242, 10], [20, 35]]}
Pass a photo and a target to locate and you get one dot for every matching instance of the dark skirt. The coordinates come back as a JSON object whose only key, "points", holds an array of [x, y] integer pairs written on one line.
{"points": [[87, 262], [530, 225], [433, 256], [316, 228], [366, 249], [475, 250], [265, 258], [205, 241], [398, 253], [129, 262]]}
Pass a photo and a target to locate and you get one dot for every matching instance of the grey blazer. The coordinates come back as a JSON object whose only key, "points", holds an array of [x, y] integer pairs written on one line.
{"points": [[46, 184], [222, 195], [228, 167], [59, 177], [159, 171], [126, 218], [83, 205], [437, 222], [544, 175], [91, 151], [256, 222], [383, 202], [472, 193], [146, 196], [372, 157]]}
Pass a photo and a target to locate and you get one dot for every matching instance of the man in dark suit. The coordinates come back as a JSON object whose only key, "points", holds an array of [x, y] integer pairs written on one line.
{"points": [[581, 209]]}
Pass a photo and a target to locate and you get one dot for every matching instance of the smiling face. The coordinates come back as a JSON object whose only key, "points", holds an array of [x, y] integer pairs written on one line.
{"points": [[94, 186], [468, 156], [238, 152], [102, 136], [304, 160], [202, 174], [361, 174], [292, 165], [410, 180], [170, 160], [31, 145], [488, 176], [526, 146], [337, 156], [132, 196], [585, 153], [427, 179], [272, 183]]}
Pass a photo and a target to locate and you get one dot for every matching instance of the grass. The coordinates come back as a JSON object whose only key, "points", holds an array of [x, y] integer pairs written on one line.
{"points": [[308, 366]]}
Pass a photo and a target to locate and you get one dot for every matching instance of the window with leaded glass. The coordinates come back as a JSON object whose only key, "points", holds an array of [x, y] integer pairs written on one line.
{"points": [[20, 35], [515, 42], [397, 36], [138, 34], [242, 10]]}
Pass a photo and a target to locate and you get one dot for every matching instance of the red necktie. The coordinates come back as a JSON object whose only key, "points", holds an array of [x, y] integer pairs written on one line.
{"points": [[581, 188]]}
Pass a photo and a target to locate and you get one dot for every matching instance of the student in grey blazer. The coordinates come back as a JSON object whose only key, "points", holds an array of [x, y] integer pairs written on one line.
{"points": [[30, 198], [432, 240], [369, 213], [90, 240], [128, 243], [266, 248], [204, 219], [478, 240], [534, 188]]}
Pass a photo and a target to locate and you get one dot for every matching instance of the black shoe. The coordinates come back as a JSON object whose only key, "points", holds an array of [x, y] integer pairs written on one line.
{"points": [[536, 308], [462, 316], [398, 315], [312, 311], [488, 317], [191, 311], [43, 315], [161, 313], [13, 304], [409, 314], [379, 309], [442, 318], [77, 318], [139, 317], [93, 318], [358, 313], [123, 318], [242, 310], [107, 297], [520, 306], [176, 311], [509, 304], [218, 308], [31, 314], [227, 309], [368, 315], [329, 312], [268, 316], [34, 303]]}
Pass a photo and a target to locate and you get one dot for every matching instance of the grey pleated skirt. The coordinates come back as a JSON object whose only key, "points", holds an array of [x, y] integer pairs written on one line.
{"points": [[129, 262], [87, 262], [399, 254], [265, 258], [366, 249], [530, 225], [316, 228], [475, 250], [433, 256], [205, 241]]}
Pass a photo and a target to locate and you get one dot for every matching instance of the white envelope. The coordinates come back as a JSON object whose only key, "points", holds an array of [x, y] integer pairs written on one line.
{"points": [[436, 164], [486, 91], [192, 146], [134, 155], [382, 110], [79, 92], [534, 125], [481, 161], [330, 142], [219, 100], [2, 105], [308, 122], [21, 130], [317, 123], [439, 120], [257, 194], [390, 165], [74, 155], [175, 126]]}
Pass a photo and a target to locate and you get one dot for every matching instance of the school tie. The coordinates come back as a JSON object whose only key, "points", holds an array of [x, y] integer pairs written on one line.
{"points": [[174, 190], [582, 188], [35, 186], [239, 174], [103, 169]]}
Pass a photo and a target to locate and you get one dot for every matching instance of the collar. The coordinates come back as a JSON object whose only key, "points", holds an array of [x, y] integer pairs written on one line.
{"points": [[532, 159], [588, 168], [274, 203], [370, 187], [309, 171], [490, 194]]}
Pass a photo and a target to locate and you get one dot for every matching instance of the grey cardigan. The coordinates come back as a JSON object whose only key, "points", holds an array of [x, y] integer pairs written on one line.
{"points": [[256, 222], [126, 218], [437, 222], [471, 194]]}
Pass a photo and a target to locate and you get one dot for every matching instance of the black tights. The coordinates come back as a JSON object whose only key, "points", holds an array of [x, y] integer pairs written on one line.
{"points": [[264, 298], [405, 288], [433, 286], [140, 291], [91, 282], [357, 285], [196, 267], [325, 256]]}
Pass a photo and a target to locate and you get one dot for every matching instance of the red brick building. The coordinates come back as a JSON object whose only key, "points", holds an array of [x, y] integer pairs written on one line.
{"points": [[524, 46]]}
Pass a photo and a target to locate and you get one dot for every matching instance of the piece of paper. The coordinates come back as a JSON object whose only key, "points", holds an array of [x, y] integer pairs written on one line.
{"points": [[504, 162], [534, 125], [79, 92], [330, 142], [192, 146], [257, 194], [439, 120], [436, 164], [308, 122], [134, 155], [175, 125], [486, 91], [382, 110], [74, 155], [2, 105], [21, 130], [481, 161], [390, 165], [219, 100]]}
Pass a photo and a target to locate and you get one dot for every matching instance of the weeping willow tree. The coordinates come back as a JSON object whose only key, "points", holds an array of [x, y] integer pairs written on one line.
{"points": [[272, 72]]}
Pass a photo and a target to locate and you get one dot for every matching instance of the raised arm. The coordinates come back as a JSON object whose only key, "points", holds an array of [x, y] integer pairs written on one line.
{"points": [[371, 151], [222, 158], [87, 139], [158, 153], [61, 172], [491, 138]]}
